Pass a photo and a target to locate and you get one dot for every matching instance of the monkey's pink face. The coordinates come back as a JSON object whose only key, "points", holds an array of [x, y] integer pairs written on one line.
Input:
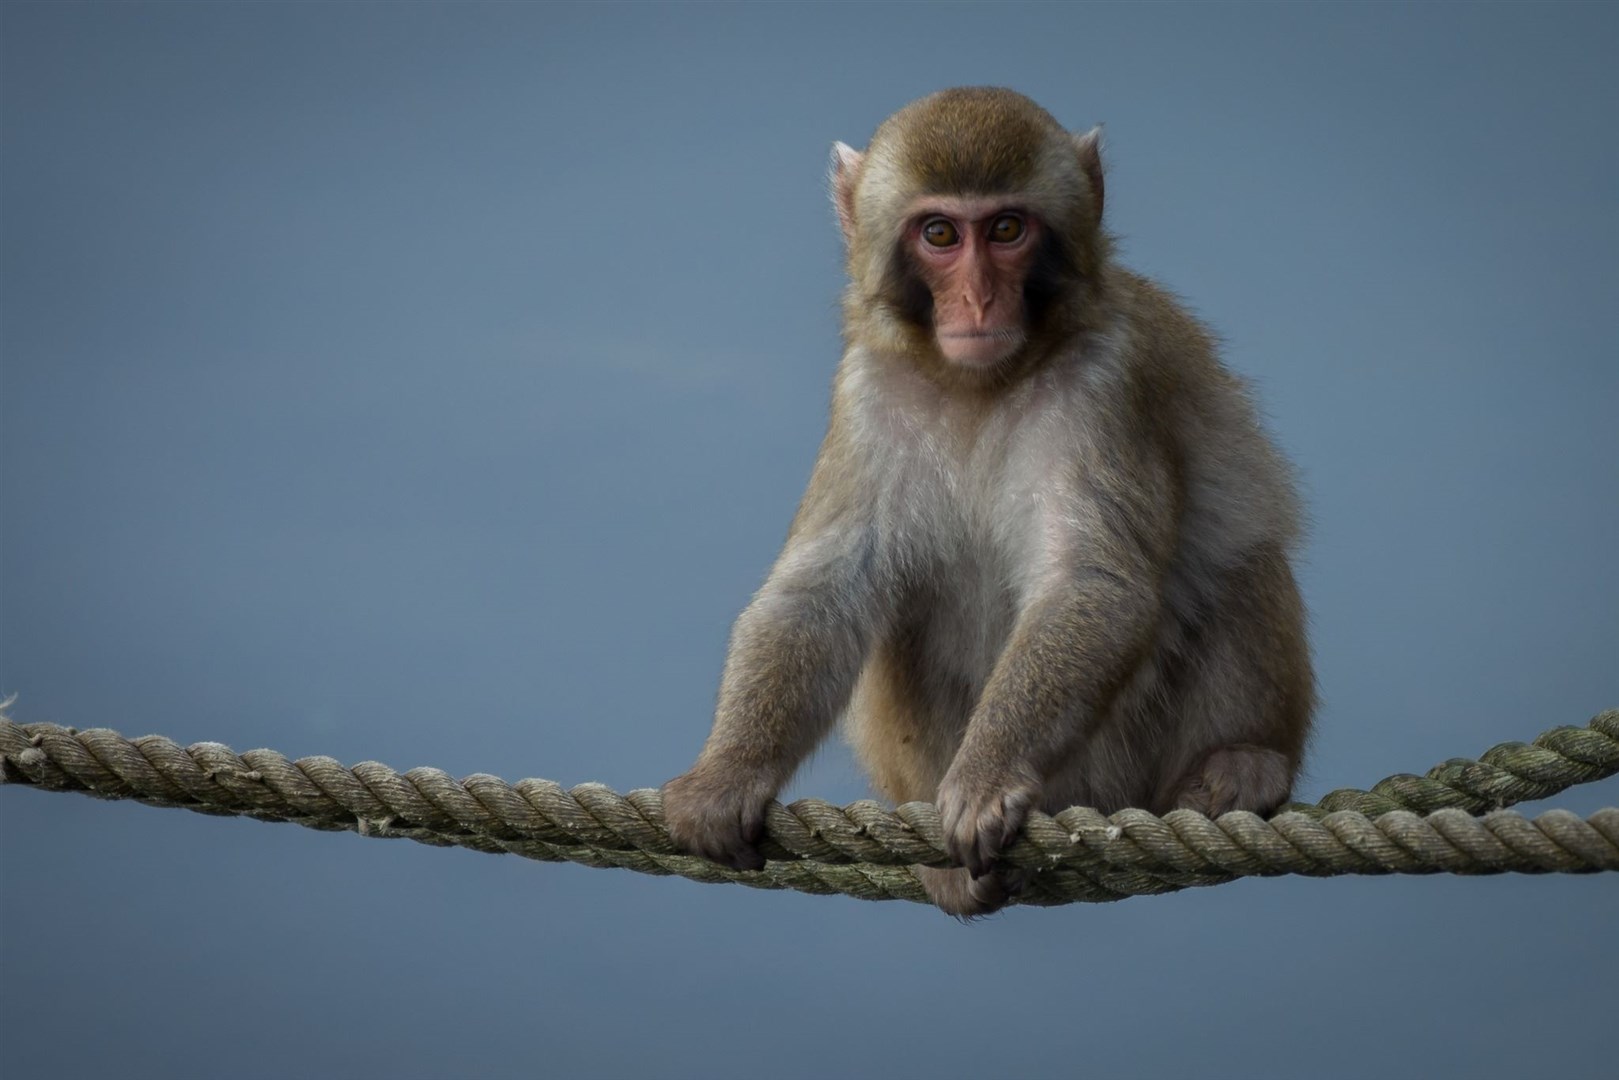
{"points": [[973, 255]]}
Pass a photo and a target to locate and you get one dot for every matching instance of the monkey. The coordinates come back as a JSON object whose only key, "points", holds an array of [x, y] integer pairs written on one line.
{"points": [[1044, 556]]}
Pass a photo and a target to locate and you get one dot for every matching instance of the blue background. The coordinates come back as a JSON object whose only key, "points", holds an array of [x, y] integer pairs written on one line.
{"points": [[435, 383]]}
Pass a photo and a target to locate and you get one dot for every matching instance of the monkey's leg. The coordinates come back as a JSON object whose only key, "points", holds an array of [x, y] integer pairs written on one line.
{"points": [[906, 738], [1245, 709]]}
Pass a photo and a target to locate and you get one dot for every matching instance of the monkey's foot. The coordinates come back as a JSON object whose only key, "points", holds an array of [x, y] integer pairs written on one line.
{"points": [[1241, 776], [960, 894]]}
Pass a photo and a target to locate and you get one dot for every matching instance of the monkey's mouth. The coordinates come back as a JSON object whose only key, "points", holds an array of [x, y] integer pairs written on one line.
{"points": [[980, 347]]}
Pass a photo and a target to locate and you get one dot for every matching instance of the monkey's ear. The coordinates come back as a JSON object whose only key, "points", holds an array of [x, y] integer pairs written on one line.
{"points": [[845, 171], [1089, 146]]}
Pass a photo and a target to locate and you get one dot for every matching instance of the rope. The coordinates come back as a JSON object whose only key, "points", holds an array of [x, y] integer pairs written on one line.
{"points": [[1403, 825]]}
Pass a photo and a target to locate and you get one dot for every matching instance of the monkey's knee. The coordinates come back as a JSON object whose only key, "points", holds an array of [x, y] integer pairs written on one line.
{"points": [[1237, 777], [958, 893]]}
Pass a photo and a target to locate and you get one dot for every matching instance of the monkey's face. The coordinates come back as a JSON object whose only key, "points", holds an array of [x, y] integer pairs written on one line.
{"points": [[973, 224], [974, 256]]}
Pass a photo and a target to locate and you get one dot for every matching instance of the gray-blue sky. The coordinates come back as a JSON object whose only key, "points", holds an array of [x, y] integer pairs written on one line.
{"points": [[434, 383]]}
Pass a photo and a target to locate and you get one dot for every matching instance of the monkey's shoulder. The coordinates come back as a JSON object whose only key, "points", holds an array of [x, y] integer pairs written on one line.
{"points": [[1159, 335], [1237, 487]]}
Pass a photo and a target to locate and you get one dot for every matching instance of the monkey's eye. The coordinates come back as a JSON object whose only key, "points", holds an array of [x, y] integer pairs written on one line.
{"points": [[1006, 229], [939, 233]]}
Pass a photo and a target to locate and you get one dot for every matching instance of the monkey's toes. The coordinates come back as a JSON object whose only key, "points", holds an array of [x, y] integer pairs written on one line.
{"points": [[1237, 777]]}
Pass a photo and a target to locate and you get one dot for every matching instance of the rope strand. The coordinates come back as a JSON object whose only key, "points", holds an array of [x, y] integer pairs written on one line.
{"points": [[1404, 824]]}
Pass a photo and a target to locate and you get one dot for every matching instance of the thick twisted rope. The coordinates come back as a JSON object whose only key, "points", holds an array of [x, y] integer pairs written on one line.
{"points": [[1403, 825]]}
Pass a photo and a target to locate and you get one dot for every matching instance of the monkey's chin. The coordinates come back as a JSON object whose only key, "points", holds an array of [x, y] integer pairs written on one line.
{"points": [[983, 349]]}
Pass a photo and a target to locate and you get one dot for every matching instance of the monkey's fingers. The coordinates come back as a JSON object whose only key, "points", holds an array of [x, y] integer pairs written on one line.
{"points": [[978, 829], [996, 889], [730, 843], [720, 823], [740, 850]]}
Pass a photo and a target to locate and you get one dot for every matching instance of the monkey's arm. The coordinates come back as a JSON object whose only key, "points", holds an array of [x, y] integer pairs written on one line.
{"points": [[795, 654], [1080, 634]]}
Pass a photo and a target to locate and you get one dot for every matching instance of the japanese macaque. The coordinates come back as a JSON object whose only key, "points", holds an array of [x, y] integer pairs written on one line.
{"points": [[1043, 556]]}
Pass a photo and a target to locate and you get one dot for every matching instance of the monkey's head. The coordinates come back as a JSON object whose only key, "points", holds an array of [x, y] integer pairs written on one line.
{"points": [[973, 227]]}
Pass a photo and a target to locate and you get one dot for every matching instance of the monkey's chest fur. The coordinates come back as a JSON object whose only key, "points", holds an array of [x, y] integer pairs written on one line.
{"points": [[984, 510], [979, 509]]}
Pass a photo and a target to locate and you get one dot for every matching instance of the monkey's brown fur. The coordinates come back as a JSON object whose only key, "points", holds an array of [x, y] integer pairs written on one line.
{"points": [[1062, 579]]}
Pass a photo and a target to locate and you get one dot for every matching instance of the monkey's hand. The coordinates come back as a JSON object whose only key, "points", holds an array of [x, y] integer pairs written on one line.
{"points": [[982, 810], [718, 814]]}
